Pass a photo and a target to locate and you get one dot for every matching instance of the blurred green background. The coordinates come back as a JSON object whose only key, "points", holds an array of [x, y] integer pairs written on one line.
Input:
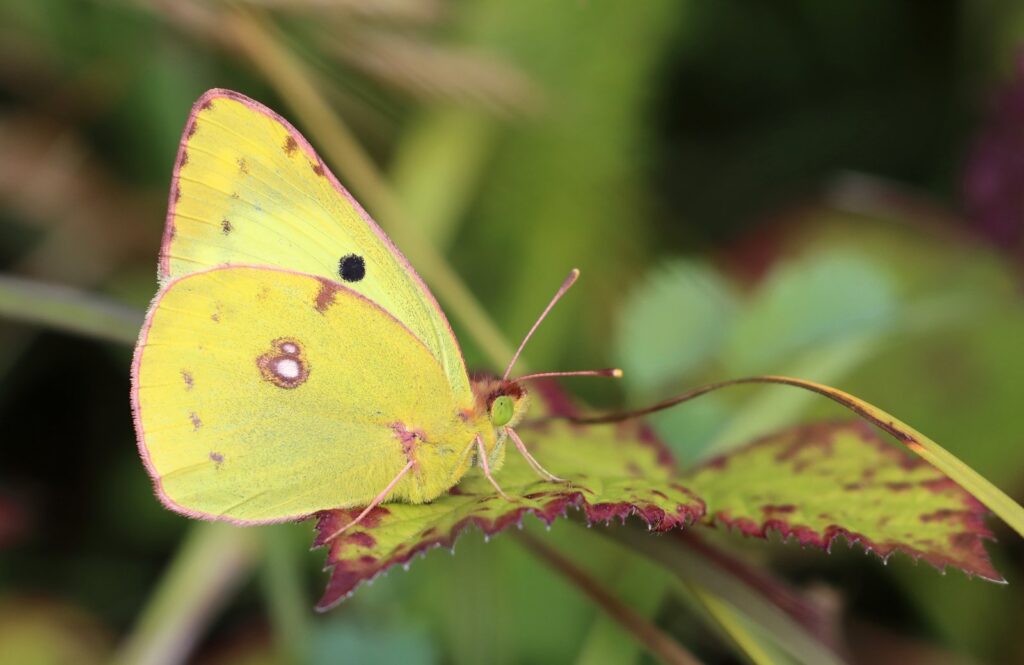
{"points": [[828, 190]]}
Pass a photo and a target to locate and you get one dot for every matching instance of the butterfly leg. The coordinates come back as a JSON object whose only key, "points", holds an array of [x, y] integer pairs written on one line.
{"points": [[373, 504], [521, 447], [487, 467]]}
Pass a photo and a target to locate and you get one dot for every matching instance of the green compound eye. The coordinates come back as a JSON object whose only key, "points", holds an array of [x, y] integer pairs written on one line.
{"points": [[502, 410]]}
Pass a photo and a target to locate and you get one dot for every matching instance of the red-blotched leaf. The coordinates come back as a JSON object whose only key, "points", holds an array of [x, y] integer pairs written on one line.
{"points": [[819, 482], [613, 473]]}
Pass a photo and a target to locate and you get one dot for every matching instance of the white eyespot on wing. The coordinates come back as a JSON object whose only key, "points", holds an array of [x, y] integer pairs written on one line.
{"points": [[287, 368], [284, 364]]}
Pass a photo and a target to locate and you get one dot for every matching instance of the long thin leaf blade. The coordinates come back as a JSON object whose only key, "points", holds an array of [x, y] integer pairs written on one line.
{"points": [[67, 309]]}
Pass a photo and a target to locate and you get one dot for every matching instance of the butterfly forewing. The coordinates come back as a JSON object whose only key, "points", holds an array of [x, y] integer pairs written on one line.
{"points": [[248, 189]]}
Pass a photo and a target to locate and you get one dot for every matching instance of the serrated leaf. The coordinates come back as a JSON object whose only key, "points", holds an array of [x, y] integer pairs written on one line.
{"points": [[613, 473], [820, 482]]}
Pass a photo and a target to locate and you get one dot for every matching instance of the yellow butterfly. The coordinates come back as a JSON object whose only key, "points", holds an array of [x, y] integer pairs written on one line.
{"points": [[293, 361]]}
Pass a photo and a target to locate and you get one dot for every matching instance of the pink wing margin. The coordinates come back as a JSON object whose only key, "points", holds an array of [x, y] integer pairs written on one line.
{"points": [[205, 102], [140, 433]]}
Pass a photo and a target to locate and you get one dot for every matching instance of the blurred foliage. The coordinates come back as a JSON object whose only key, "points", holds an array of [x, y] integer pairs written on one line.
{"points": [[697, 160], [35, 632]]}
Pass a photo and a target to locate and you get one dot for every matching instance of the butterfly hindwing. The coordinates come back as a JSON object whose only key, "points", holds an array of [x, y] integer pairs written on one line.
{"points": [[264, 395], [249, 189]]}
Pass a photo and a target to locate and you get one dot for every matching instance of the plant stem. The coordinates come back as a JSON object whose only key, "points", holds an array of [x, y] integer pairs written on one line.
{"points": [[68, 309], [213, 561], [438, 166], [659, 643], [640, 583], [286, 601], [736, 627]]}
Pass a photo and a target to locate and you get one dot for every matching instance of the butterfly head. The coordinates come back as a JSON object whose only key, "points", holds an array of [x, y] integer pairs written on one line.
{"points": [[503, 402], [506, 399]]}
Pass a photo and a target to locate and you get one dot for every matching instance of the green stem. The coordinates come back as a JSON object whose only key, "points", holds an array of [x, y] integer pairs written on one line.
{"points": [[642, 585], [68, 309], [736, 628], [286, 600], [213, 561], [438, 166]]}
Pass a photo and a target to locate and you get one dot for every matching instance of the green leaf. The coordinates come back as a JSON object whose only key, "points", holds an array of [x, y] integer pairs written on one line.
{"points": [[680, 300], [828, 297], [374, 643], [820, 482], [747, 636], [613, 473], [818, 315]]}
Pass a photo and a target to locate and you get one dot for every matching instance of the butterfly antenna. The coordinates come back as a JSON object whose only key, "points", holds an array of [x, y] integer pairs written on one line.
{"points": [[569, 281], [613, 372]]}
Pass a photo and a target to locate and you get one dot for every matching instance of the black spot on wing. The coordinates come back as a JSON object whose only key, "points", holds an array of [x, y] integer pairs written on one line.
{"points": [[352, 268]]}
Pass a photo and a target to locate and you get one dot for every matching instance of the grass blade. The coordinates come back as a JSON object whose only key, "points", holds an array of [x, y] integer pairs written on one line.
{"points": [[694, 568], [64, 308]]}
